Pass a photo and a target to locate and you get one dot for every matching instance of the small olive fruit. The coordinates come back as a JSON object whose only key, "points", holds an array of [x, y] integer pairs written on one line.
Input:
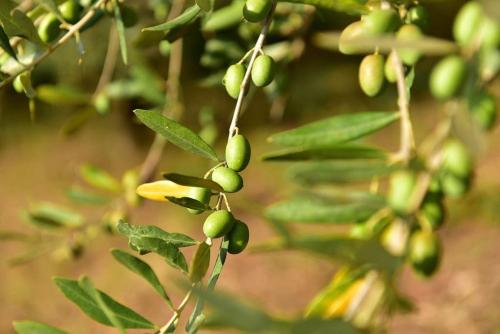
{"points": [[238, 238], [401, 185], [418, 15], [489, 33], [200, 194], [424, 252], [263, 70], [228, 179], [456, 158], [433, 211], [453, 185], [390, 69], [18, 85], [407, 34], [483, 108], [238, 153], [447, 77], [49, 28], [381, 21], [352, 31], [394, 237], [233, 79], [129, 16], [71, 11], [218, 224], [371, 74], [467, 22], [256, 10]]}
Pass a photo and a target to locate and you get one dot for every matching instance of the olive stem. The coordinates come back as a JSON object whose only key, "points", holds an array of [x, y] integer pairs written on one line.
{"points": [[177, 312], [66, 37], [109, 65], [246, 79]]}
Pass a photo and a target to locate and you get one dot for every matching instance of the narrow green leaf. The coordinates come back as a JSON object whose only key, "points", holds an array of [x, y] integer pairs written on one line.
{"points": [[120, 28], [352, 7], [5, 44], [335, 130], [192, 181], [16, 23], [99, 178], [188, 16], [34, 327], [313, 173], [345, 151], [142, 269], [61, 95], [168, 251], [188, 202], [49, 215], [84, 196], [128, 318], [25, 79], [200, 263], [150, 231], [225, 17], [176, 133], [309, 208]]}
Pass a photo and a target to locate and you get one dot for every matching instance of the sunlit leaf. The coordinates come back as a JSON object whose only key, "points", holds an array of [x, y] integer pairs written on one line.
{"points": [[189, 15], [192, 181], [200, 263], [99, 178], [150, 231], [224, 17], [325, 153], [34, 327]]}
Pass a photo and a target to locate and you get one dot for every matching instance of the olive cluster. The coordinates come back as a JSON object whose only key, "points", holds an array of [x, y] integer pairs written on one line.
{"points": [[474, 32], [452, 179], [407, 25], [222, 222]]}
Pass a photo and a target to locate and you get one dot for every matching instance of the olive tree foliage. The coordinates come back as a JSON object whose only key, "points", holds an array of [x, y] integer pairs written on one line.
{"points": [[388, 226]]}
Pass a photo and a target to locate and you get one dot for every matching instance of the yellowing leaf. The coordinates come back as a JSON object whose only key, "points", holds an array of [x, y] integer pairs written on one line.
{"points": [[159, 190]]}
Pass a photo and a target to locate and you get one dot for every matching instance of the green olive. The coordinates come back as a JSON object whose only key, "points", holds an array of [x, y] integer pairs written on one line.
{"points": [[263, 70], [371, 74], [165, 47], [394, 237], [483, 108], [454, 186], [238, 153], [71, 11], [489, 33], [49, 28], [233, 79], [200, 194], [434, 212], [352, 31], [447, 77], [18, 85], [256, 10], [228, 179], [389, 68], [381, 21], [238, 238], [129, 16], [401, 186], [467, 22], [419, 16], [218, 224], [424, 252], [409, 33], [456, 158]]}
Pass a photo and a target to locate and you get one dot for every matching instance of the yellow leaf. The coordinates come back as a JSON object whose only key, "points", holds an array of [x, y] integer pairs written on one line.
{"points": [[157, 191]]}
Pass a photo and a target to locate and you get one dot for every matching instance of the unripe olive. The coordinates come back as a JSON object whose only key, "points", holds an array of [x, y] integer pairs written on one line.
{"points": [[409, 33], [256, 10], [238, 238], [238, 153], [454, 186], [489, 33], [381, 21], [233, 79], [484, 109], [200, 194], [263, 70], [228, 179], [467, 22], [129, 16], [71, 11], [165, 47], [389, 68], [401, 185], [49, 28], [418, 15], [218, 224], [394, 237], [456, 158], [424, 252], [371, 74], [352, 31], [434, 212], [447, 77]]}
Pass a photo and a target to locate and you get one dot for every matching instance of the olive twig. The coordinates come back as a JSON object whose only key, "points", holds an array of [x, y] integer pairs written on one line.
{"points": [[177, 312], [109, 61]]}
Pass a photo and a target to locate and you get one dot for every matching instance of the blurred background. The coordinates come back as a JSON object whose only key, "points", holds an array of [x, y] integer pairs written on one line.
{"points": [[40, 160]]}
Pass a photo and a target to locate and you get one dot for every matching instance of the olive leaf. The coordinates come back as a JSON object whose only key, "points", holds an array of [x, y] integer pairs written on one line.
{"points": [[188, 202], [188, 16], [325, 153], [353, 7], [200, 263], [206, 5], [150, 231], [128, 318], [172, 255], [192, 181], [224, 17], [143, 269], [51, 216], [99, 178], [61, 95], [176, 133], [335, 130], [84, 196], [16, 23], [120, 28], [51, 6], [5, 44], [34, 327]]}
